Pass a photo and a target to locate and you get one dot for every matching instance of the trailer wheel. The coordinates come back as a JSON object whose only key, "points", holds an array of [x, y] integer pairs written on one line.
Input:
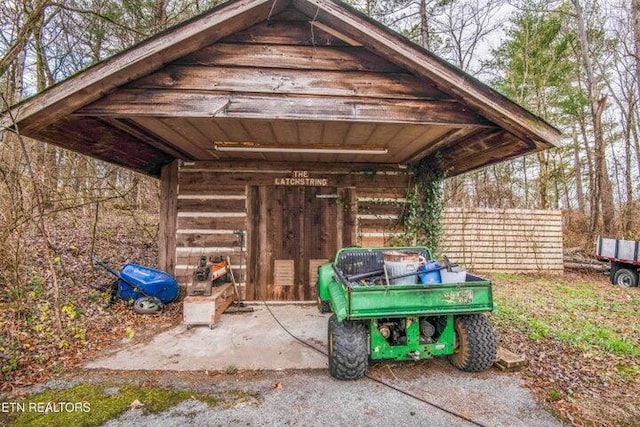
{"points": [[348, 349], [626, 278], [147, 305], [475, 344]]}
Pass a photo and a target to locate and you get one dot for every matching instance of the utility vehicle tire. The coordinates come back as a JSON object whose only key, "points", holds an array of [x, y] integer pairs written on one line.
{"points": [[147, 305], [325, 307], [626, 278], [348, 349], [475, 348]]}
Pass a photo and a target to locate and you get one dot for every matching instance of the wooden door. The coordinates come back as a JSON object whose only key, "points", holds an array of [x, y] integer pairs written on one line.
{"points": [[291, 230]]}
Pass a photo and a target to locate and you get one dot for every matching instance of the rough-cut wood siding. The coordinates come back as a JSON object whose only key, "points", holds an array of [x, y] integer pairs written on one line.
{"points": [[481, 239], [307, 224], [504, 239], [378, 212], [283, 222]]}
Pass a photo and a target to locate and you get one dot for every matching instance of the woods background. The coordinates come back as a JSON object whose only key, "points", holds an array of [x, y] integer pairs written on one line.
{"points": [[575, 63]]}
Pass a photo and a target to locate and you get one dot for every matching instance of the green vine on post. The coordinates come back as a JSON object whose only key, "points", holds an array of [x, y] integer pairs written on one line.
{"points": [[422, 216]]}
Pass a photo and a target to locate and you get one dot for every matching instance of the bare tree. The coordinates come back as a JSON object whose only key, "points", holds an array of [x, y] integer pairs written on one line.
{"points": [[602, 209], [465, 26]]}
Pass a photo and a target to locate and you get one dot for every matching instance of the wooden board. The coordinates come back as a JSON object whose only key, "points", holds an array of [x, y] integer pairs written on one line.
{"points": [[168, 213], [509, 361], [206, 310], [176, 103], [344, 58], [504, 239], [288, 81], [481, 239], [283, 272]]}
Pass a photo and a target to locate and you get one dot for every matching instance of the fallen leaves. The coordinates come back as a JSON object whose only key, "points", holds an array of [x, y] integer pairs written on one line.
{"points": [[32, 350], [582, 360]]}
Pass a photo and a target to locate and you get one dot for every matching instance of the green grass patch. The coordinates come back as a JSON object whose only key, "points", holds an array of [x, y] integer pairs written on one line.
{"points": [[504, 276], [538, 329], [554, 395], [576, 292], [579, 313], [92, 405], [628, 372], [586, 334]]}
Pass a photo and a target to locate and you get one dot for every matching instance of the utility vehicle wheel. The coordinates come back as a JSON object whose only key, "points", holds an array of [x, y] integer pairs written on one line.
{"points": [[348, 349], [147, 305], [475, 345], [625, 278], [325, 307]]}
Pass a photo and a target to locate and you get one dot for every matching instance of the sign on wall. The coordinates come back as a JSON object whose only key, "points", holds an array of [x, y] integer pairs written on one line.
{"points": [[301, 179]]}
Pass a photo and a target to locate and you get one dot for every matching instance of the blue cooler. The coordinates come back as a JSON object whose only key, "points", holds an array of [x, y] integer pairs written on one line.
{"points": [[429, 272]]}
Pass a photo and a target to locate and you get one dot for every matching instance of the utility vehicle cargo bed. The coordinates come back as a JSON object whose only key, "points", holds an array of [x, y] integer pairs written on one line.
{"points": [[351, 297]]}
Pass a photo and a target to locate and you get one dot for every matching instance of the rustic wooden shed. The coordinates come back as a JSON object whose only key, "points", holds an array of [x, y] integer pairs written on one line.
{"points": [[291, 119]]}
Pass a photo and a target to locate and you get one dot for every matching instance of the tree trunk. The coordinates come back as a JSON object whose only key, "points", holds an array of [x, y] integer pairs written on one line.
{"points": [[24, 32], [425, 39], [635, 136], [543, 181], [628, 158], [601, 193], [635, 13], [45, 155], [525, 181], [577, 170], [160, 14]]}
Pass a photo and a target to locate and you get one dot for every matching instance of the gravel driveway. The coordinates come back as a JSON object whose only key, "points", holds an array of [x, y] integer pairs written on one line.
{"points": [[262, 357], [313, 398]]}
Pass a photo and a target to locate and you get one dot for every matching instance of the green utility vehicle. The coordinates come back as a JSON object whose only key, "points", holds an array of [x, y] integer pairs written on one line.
{"points": [[380, 314]]}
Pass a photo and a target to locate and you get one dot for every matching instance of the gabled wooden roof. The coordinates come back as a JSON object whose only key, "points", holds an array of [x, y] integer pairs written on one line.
{"points": [[285, 81]]}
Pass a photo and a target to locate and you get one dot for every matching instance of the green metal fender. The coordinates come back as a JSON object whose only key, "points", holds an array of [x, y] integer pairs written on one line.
{"points": [[339, 304], [325, 276], [332, 291]]}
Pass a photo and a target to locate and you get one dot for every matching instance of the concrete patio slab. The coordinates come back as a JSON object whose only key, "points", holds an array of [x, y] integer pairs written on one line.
{"points": [[292, 375], [242, 341]]}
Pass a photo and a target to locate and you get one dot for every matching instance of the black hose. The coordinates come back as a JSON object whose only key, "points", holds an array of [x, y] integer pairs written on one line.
{"points": [[377, 380]]}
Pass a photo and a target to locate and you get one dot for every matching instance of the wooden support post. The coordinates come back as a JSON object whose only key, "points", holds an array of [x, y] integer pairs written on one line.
{"points": [[350, 221], [168, 217]]}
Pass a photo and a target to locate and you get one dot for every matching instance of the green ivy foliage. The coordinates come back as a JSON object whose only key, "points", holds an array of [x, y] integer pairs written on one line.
{"points": [[422, 216]]}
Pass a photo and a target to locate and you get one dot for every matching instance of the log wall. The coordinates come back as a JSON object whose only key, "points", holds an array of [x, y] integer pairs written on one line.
{"points": [[301, 214], [289, 218]]}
